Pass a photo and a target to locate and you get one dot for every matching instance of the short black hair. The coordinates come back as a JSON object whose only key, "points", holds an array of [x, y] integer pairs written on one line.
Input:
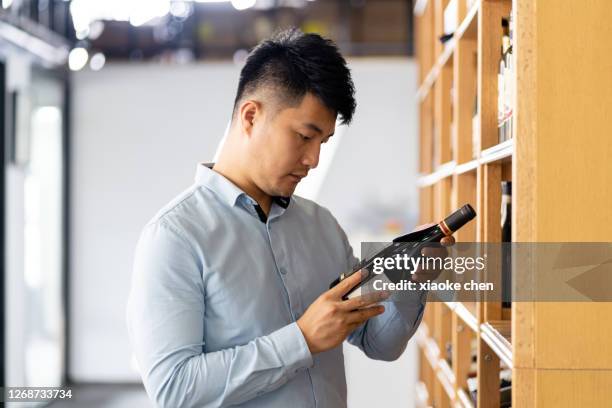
{"points": [[292, 64]]}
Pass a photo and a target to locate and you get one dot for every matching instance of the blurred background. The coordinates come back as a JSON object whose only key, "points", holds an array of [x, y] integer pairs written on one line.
{"points": [[107, 107]]}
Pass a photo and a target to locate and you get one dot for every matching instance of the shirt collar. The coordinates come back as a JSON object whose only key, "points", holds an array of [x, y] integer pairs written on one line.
{"points": [[225, 189]]}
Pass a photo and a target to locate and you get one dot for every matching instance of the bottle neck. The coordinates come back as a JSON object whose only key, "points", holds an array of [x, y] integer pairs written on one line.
{"points": [[506, 201], [444, 228]]}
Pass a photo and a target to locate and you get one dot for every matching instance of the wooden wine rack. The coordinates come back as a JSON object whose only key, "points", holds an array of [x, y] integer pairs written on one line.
{"points": [[560, 163]]}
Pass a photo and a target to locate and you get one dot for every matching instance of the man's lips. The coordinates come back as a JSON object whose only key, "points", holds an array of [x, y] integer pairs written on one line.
{"points": [[297, 177]]}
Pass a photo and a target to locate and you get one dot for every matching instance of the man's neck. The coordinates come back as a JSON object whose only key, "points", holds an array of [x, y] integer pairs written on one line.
{"points": [[234, 174]]}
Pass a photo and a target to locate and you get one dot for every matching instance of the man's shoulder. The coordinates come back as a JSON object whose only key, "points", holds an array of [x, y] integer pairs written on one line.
{"points": [[184, 206], [313, 209]]}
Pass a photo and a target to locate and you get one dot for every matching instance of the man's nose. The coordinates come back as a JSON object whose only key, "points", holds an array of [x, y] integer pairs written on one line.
{"points": [[311, 157]]}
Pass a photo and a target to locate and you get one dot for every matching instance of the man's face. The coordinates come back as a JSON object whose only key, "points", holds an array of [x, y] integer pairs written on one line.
{"points": [[286, 145]]}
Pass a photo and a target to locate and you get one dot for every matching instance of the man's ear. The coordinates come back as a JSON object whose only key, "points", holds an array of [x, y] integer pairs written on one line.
{"points": [[250, 113]]}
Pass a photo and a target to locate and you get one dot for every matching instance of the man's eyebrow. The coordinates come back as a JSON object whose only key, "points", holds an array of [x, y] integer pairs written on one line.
{"points": [[314, 127]]}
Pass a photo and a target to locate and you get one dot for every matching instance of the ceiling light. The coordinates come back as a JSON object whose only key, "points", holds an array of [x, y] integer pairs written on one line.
{"points": [[243, 4], [97, 61], [77, 58]]}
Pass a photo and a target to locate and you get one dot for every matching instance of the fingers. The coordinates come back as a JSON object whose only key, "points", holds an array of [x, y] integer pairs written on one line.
{"points": [[437, 251], [448, 241], [361, 315], [345, 285], [364, 301], [424, 276]]}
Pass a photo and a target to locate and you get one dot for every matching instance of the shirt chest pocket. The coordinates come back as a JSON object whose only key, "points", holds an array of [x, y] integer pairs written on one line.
{"points": [[244, 300]]}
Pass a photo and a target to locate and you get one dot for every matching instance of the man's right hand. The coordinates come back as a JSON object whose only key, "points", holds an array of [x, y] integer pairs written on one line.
{"points": [[329, 319]]}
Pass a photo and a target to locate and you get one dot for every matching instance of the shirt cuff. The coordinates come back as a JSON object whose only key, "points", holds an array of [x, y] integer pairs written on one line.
{"points": [[412, 299], [292, 347]]}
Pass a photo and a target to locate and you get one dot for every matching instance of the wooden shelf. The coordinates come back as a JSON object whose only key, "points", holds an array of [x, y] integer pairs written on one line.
{"points": [[422, 395], [464, 399], [464, 314], [440, 367], [460, 76], [422, 335], [497, 334], [447, 379], [466, 25], [435, 71], [553, 172], [419, 7], [500, 152], [466, 167], [429, 346], [440, 173]]}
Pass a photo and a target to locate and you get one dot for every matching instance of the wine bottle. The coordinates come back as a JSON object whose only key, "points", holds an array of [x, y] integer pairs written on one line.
{"points": [[411, 245], [504, 109], [475, 127], [506, 227], [505, 388], [500, 100], [472, 387]]}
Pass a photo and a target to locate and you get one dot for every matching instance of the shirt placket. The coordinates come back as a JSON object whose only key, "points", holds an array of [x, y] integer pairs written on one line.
{"points": [[282, 262], [279, 254]]}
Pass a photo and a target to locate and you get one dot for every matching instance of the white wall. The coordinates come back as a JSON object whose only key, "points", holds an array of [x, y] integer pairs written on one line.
{"points": [[371, 181], [138, 133], [373, 174]]}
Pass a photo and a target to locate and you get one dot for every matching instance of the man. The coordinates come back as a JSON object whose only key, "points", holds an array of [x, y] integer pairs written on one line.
{"points": [[230, 302]]}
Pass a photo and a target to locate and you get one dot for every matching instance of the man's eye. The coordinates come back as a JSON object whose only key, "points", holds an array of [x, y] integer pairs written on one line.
{"points": [[303, 137]]}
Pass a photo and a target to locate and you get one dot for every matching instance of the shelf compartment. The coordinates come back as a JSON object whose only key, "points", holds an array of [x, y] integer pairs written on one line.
{"points": [[499, 152], [467, 27], [434, 73], [498, 335]]}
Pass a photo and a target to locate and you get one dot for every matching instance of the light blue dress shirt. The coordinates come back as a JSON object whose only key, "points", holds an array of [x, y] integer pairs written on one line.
{"points": [[216, 293]]}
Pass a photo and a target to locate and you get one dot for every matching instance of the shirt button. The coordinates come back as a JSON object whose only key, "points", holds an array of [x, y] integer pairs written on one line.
{"points": [[283, 271]]}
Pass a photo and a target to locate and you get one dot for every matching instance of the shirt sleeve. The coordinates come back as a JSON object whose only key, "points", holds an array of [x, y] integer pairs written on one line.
{"points": [[384, 337], [165, 318]]}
